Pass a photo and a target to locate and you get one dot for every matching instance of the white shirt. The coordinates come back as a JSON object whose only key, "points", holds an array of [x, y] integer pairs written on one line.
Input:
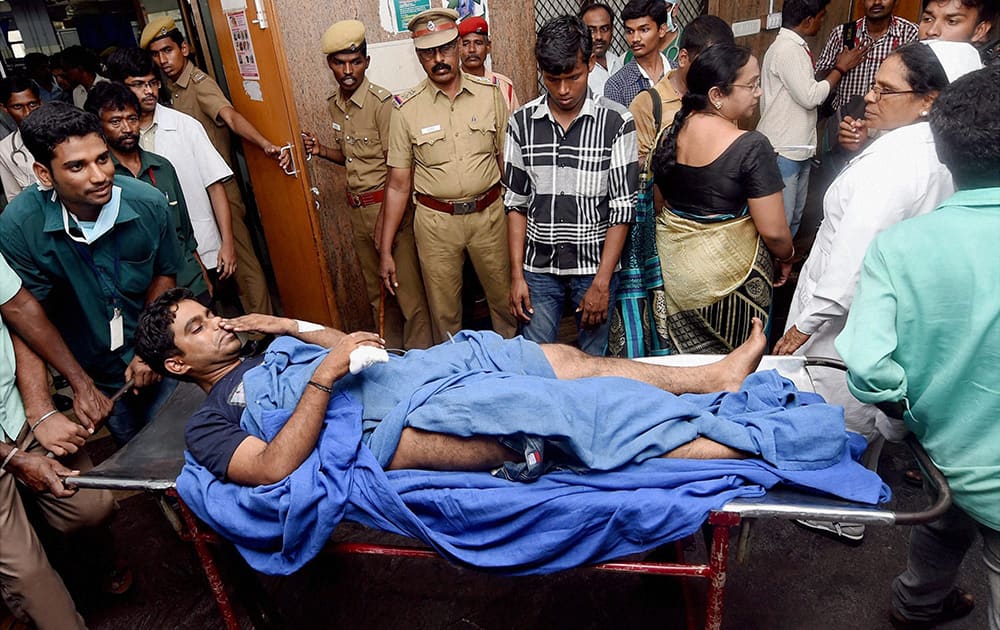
{"points": [[182, 140], [895, 178], [16, 173], [80, 92], [790, 96], [600, 75]]}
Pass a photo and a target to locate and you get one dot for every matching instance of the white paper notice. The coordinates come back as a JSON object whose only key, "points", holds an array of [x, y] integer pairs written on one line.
{"points": [[252, 88]]}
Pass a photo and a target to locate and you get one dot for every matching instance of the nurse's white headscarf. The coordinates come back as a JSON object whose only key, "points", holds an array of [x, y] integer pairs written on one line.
{"points": [[957, 58]]}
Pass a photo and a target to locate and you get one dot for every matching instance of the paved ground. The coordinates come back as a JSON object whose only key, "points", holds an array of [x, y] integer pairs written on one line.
{"points": [[793, 579]]}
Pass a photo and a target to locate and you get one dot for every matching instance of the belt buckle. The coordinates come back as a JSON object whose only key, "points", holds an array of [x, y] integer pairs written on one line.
{"points": [[464, 207], [355, 200]]}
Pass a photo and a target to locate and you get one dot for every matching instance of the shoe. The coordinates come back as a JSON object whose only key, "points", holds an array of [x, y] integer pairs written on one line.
{"points": [[852, 534], [956, 605]]}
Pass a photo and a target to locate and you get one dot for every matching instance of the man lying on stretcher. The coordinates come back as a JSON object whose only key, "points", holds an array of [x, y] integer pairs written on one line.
{"points": [[181, 338]]}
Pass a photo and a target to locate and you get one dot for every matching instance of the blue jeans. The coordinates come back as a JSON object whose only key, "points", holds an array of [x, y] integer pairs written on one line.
{"points": [[548, 294], [132, 412], [796, 177]]}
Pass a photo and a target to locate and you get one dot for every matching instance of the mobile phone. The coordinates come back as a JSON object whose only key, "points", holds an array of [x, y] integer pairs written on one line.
{"points": [[850, 32]]}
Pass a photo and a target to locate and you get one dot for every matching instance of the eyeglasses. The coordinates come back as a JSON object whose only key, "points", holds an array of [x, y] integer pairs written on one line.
{"points": [[116, 122], [152, 84], [880, 91], [752, 86], [429, 53]]}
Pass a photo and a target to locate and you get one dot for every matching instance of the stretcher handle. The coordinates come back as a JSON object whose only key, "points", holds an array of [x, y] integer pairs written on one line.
{"points": [[932, 472], [936, 479]]}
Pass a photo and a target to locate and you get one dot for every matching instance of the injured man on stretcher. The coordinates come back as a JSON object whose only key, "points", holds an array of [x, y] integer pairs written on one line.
{"points": [[305, 419]]}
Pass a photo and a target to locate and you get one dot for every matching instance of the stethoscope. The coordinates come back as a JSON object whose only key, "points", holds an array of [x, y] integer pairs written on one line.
{"points": [[18, 150]]}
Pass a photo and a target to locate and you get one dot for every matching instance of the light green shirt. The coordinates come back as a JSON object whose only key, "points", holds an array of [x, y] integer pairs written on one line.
{"points": [[11, 407], [925, 328]]}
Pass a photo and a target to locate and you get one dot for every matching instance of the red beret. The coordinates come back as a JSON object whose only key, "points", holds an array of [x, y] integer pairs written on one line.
{"points": [[473, 24]]}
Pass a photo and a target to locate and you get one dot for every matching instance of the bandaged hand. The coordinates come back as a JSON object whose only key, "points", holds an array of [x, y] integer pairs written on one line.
{"points": [[366, 356]]}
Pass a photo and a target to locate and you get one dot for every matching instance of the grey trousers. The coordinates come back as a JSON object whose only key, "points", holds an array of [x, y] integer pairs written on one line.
{"points": [[936, 553]]}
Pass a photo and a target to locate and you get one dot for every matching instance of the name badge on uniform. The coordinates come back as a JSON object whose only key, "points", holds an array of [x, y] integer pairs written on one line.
{"points": [[430, 129], [336, 127], [117, 325]]}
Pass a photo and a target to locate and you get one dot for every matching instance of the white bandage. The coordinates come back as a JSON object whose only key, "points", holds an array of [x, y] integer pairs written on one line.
{"points": [[307, 327], [367, 356]]}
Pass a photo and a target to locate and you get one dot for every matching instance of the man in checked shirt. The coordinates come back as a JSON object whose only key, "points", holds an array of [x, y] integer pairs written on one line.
{"points": [[571, 173]]}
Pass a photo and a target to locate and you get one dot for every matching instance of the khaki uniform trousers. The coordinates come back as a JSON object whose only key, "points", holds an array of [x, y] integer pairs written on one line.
{"points": [[250, 279], [31, 588], [442, 243], [407, 320]]}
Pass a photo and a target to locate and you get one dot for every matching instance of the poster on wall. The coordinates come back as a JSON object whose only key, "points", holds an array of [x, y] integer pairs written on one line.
{"points": [[239, 31], [396, 14]]}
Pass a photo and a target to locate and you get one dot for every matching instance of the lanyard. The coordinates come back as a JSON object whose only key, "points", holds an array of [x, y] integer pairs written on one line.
{"points": [[110, 290]]}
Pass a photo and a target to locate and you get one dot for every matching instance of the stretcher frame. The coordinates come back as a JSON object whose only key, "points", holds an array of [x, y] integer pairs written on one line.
{"points": [[153, 459]]}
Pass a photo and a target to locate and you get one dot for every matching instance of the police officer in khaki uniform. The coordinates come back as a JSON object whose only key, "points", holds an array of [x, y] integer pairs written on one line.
{"points": [[446, 141], [361, 112], [199, 96]]}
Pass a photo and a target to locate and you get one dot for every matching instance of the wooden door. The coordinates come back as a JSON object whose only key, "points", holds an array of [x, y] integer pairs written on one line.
{"points": [[253, 57]]}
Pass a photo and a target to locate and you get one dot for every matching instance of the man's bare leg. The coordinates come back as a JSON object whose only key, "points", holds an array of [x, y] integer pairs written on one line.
{"points": [[423, 450], [726, 375]]}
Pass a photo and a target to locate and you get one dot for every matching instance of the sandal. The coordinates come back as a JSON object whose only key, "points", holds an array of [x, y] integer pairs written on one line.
{"points": [[118, 582], [956, 605]]}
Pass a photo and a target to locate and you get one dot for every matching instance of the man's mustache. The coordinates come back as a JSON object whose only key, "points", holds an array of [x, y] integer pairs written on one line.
{"points": [[441, 66]]}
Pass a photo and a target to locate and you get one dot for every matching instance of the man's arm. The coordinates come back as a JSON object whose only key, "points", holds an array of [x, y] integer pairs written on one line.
{"points": [[397, 191], [313, 146], [245, 129], [256, 462], [271, 325], [27, 318], [224, 220], [41, 474]]}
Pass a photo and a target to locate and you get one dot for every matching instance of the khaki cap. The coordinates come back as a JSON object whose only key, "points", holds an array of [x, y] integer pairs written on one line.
{"points": [[433, 28], [343, 36], [156, 29]]}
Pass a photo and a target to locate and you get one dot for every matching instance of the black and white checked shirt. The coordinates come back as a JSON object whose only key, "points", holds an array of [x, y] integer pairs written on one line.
{"points": [[572, 186], [860, 79]]}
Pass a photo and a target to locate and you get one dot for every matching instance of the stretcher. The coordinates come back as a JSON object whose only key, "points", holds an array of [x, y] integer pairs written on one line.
{"points": [[154, 458]]}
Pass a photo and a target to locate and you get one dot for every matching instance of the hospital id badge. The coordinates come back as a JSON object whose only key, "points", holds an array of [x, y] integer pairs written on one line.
{"points": [[117, 330]]}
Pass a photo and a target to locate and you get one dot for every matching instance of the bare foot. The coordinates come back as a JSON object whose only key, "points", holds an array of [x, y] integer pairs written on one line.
{"points": [[742, 361]]}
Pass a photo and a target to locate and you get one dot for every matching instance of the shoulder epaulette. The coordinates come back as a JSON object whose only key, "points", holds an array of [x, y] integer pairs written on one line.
{"points": [[400, 99], [481, 80], [198, 76], [379, 92]]}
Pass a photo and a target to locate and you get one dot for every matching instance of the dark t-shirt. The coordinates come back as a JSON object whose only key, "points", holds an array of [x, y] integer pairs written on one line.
{"points": [[213, 433], [747, 169]]}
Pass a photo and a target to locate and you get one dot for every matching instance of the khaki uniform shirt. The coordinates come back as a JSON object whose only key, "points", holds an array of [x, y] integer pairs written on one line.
{"points": [[452, 146], [361, 132], [199, 96], [642, 112]]}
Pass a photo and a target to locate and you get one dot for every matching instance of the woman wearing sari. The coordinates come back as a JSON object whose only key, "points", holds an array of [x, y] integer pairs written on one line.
{"points": [[722, 229]]}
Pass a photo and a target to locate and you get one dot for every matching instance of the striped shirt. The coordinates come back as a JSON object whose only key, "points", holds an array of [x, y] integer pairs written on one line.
{"points": [[860, 79], [571, 185]]}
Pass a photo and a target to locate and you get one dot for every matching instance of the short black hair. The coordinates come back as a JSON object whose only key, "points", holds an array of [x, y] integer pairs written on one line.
{"points": [[175, 35], [130, 62], [588, 5], [363, 49], [154, 338], [965, 121], [112, 96], [656, 10], [987, 8], [35, 60], [924, 72], [705, 31], [52, 124], [80, 57], [561, 42], [15, 84], [795, 12]]}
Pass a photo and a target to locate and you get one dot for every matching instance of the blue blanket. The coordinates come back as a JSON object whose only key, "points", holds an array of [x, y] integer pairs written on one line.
{"points": [[561, 520]]}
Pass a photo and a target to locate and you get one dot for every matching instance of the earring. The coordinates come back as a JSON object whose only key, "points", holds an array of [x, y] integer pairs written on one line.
{"points": [[923, 114], [717, 104]]}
